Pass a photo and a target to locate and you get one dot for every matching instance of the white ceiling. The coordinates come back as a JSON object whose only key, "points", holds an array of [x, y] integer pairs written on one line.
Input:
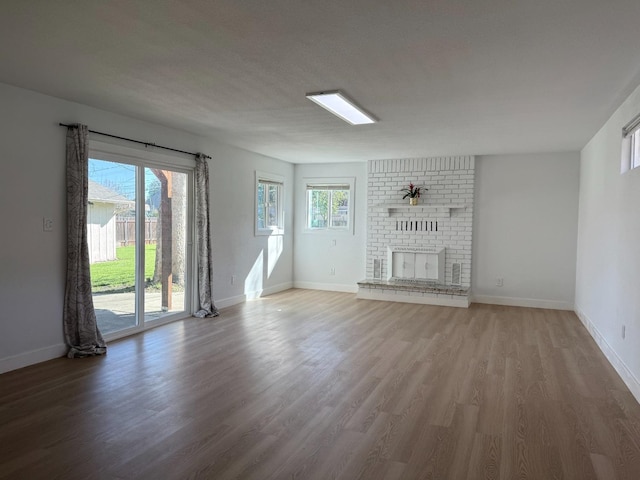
{"points": [[445, 77]]}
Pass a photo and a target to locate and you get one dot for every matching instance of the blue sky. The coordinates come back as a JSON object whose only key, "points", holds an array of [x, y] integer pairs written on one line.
{"points": [[117, 176]]}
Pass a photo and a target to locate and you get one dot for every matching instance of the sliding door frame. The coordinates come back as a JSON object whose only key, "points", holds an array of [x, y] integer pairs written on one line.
{"points": [[142, 159]]}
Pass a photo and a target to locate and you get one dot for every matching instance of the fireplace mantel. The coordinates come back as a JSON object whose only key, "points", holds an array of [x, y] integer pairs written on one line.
{"points": [[444, 209]]}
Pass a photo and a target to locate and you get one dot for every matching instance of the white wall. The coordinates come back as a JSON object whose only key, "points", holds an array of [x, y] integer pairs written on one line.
{"points": [[608, 261], [260, 264], [32, 186], [315, 253], [525, 228]]}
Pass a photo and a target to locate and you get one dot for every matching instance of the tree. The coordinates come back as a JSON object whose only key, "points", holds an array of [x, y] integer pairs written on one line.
{"points": [[319, 208], [170, 234], [179, 219]]}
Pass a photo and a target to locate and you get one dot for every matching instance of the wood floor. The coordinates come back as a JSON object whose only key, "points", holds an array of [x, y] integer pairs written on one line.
{"points": [[314, 385]]}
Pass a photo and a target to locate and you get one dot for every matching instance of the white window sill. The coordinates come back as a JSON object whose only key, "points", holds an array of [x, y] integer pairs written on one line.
{"points": [[329, 231]]}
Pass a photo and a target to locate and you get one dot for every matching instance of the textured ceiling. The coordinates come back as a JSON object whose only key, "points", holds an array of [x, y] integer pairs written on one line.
{"points": [[443, 76]]}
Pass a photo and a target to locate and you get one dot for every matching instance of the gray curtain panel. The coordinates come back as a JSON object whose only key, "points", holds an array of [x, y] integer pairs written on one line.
{"points": [[205, 265], [80, 326]]}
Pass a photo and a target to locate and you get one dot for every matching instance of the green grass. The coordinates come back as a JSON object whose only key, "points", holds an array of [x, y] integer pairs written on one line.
{"points": [[120, 274]]}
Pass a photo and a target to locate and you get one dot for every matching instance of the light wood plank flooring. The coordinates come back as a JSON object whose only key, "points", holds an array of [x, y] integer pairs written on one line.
{"points": [[314, 385]]}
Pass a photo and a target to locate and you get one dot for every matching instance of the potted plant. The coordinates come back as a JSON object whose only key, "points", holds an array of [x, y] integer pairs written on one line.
{"points": [[413, 193]]}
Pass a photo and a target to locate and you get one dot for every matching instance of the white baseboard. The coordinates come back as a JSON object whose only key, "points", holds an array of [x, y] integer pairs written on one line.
{"points": [[230, 301], [616, 362], [521, 302], [442, 301], [34, 356], [330, 287], [281, 287]]}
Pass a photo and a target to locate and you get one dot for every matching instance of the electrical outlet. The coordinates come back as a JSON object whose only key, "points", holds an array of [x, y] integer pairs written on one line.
{"points": [[47, 225], [499, 282], [233, 279], [332, 271], [624, 331]]}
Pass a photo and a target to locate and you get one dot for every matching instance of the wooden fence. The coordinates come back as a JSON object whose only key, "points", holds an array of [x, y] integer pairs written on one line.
{"points": [[126, 231]]}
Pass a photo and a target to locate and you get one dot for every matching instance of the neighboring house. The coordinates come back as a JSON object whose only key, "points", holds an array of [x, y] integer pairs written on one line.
{"points": [[104, 204]]}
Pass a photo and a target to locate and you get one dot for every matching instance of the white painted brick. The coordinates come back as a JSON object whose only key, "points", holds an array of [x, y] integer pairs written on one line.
{"points": [[448, 180]]}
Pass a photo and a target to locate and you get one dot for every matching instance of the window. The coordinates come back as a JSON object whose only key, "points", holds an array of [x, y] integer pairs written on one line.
{"points": [[328, 204], [631, 145], [269, 200]]}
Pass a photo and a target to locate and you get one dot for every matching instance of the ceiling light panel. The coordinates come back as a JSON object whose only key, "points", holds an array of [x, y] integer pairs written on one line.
{"points": [[341, 106]]}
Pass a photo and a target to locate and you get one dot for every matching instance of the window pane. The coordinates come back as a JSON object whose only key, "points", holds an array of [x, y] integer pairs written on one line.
{"points": [[111, 235], [318, 208], [273, 194], [261, 199], [165, 242], [261, 219], [635, 149], [261, 206], [340, 208], [272, 206]]}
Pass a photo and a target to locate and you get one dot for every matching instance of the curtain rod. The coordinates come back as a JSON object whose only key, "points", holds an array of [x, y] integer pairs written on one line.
{"points": [[146, 144]]}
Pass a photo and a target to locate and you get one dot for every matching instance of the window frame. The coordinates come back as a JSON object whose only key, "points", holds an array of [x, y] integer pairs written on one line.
{"points": [[266, 178], [630, 158], [349, 183]]}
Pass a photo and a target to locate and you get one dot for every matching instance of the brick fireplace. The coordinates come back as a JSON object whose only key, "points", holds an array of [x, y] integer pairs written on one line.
{"points": [[421, 253]]}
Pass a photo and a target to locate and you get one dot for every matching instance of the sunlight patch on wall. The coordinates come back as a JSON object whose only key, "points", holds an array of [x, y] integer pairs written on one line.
{"points": [[253, 284], [275, 250]]}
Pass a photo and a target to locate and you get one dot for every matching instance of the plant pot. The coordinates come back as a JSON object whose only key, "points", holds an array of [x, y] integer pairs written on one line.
{"points": [[413, 200]]}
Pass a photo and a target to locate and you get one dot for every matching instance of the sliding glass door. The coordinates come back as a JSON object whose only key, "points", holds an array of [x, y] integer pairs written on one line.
{"points": [[138, 228], [166, 196]]}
